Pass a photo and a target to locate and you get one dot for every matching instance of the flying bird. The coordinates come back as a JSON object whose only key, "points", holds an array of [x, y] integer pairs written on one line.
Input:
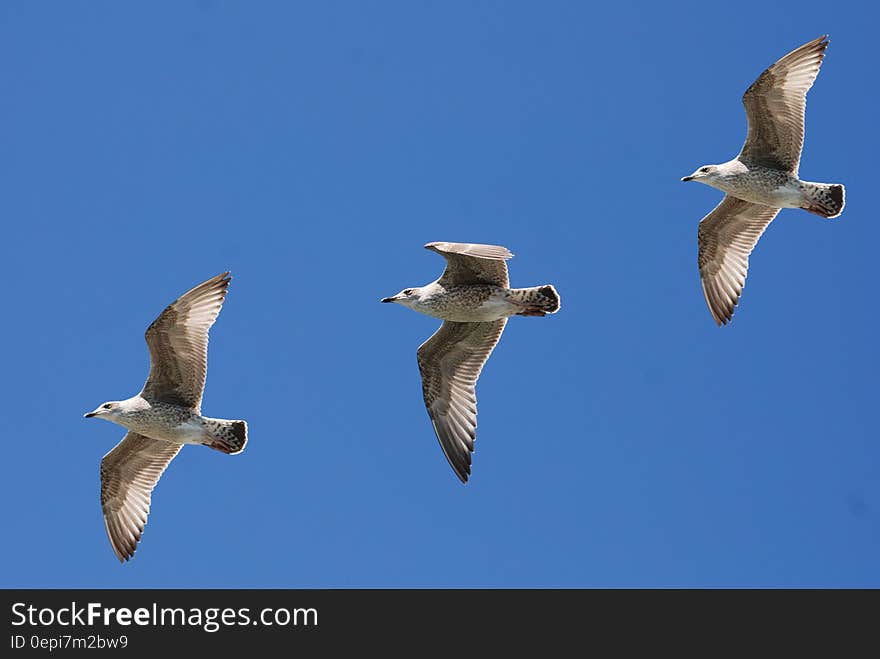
{"points": [[474, 299], [165, 415], [762, 179]]}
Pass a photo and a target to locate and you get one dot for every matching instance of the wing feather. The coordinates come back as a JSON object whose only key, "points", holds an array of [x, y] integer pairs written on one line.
{"points": [[775, 105], [472, 263], [128, 475], [726, 238], [450, 363], [178, 343]]}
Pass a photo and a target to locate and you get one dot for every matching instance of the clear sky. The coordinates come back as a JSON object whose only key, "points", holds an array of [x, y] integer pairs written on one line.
{"points": [[312, 149]]}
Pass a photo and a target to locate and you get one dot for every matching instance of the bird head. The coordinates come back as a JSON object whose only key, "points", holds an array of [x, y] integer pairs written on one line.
{"points": [[407, 297], [705, 174], [111, 410]]}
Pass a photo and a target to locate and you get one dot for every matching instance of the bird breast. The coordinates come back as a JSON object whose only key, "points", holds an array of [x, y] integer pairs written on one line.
{"points": [[476, 303], [761, 185]]}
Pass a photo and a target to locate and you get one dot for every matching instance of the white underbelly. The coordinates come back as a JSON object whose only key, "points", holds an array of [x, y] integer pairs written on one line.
{"points": [[189, 432], [494, 308], [791, 196], [786, 196]]}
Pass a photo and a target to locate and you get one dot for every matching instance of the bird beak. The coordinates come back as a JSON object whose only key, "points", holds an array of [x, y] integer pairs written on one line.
{"points": [[388, 299], [687, 178], [89, 415]]}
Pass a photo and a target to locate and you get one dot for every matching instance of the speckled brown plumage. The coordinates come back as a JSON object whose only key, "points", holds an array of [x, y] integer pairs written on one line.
{"points": [[165, 415], [762, 179], [726, 237], [474, 299], [178, 342], [450, 363], [128, 475], [470, 263], [775, 105]]}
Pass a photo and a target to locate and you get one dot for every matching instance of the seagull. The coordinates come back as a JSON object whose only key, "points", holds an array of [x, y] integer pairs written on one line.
{"points": [[165, 415], [474, 299], [762, 179]]}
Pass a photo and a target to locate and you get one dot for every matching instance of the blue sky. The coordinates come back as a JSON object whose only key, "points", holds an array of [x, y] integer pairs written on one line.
{"points": [[312, 149]]}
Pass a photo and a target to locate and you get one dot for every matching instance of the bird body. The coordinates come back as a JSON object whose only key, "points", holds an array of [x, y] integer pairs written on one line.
{"points": [[480, 303], [773, 187], [757, 184], [160, 421], [175, 424]]}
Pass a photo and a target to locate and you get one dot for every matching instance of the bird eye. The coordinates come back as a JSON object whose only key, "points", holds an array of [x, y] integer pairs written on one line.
{"points": [[704, 169], [107, 406], [408, 291]]}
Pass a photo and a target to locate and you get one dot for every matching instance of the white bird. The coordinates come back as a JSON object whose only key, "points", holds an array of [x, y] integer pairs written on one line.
{"points": [[165, 415], [762, 179], [474, 299]]}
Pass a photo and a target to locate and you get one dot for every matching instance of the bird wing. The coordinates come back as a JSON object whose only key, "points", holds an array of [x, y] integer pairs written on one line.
{"points": [[128, 475], [470, 263], [178, 342], [775, 105], [726, 237], [450, 363]]}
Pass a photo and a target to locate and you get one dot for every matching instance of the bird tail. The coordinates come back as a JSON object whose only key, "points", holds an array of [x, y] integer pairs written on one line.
{"points": [[227, 436], [825, 199], [536, 301]]}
